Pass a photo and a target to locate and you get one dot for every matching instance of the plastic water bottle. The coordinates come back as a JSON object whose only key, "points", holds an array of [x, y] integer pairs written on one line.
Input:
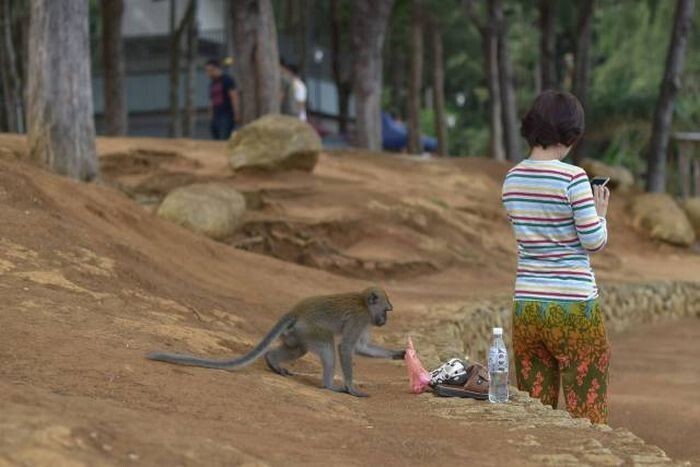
{"points": [[498, 368]]}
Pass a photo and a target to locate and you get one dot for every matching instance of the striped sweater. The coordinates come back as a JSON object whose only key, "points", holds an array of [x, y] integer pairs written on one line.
{"points": [[551, 209]]}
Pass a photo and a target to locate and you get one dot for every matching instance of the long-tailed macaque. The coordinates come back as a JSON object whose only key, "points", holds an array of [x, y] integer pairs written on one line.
{"points": [[311, 326]]}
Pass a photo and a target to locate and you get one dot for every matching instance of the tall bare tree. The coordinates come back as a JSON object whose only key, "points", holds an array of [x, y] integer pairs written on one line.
{"points": [[257, 58], [506, 82], [439, 88], [547, 24], [341, 72], [174, 129], [9, 72], [302, 32], [178, 30], [59, 94], [488, 29], [582, 61], [671, 83], [397, 64], [415, 82], [189, 120], [228, 29], [369, 23], [113, 60]]}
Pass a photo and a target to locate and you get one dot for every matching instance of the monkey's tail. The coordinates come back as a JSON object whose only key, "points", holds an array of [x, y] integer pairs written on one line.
{"points": [[282, 325]]}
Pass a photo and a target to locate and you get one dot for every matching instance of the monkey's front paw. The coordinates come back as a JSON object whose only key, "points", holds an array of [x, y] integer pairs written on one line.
{"points": [[399, 355]]}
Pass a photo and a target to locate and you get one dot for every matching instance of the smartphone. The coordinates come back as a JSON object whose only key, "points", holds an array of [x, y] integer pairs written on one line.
{"points": [[600, 181]]}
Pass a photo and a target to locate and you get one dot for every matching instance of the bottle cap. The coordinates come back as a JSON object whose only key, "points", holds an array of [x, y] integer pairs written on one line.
{"points": [[497, 331]]}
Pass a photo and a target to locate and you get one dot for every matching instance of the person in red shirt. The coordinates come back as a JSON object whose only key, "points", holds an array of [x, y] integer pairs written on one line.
{"points": [[223, 101]]}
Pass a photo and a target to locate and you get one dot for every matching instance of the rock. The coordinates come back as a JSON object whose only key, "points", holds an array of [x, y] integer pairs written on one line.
{"points": [[660, 215], [603, 459], [692, 210], [253, 200], [621, 178], [212, 209], [275, 142]]}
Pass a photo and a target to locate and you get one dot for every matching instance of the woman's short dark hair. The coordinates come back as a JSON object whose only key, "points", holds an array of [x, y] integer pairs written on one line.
{"points": [[555, 117]]}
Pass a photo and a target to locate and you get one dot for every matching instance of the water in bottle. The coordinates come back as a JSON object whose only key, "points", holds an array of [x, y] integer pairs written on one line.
{"points": [[498, 368]]}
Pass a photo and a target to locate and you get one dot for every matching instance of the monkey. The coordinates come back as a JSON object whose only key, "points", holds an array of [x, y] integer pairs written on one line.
{"points": [[312, 326]]}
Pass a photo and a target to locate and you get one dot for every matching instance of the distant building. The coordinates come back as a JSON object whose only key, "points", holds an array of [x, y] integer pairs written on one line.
{"points": [[147, 57]]}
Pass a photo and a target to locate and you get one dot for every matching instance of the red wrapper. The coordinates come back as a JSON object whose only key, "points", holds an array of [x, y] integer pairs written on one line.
{"points": [[417, 375]]}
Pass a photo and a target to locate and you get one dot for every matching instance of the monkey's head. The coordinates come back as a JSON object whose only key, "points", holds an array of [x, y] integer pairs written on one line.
{"points": [[378, 305]]}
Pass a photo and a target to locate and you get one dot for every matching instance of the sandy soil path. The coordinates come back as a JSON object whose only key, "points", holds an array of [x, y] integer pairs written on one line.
{"points": [[654, 386]]}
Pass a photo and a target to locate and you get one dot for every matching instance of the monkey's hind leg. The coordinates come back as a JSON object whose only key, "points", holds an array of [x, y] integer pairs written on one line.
{"points": [[325, 350], [283, 353]]}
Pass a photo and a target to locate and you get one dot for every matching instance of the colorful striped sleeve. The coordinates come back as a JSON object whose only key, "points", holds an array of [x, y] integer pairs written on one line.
{"points": [[591, 229]]}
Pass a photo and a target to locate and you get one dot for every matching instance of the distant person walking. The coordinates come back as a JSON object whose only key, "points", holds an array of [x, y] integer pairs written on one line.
{"points": [[223, 101], [288, 101], [300, 92], [558, 221]]}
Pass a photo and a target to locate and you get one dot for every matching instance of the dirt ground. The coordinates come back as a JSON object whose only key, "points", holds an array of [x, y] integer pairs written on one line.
{"points": [[91, 280], [654, 385]]}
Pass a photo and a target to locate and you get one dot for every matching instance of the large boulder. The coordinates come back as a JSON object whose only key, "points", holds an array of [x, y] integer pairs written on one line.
{"points": [[621, 178], [660, 215], [692, 210], [212, 209], [275, 142]]}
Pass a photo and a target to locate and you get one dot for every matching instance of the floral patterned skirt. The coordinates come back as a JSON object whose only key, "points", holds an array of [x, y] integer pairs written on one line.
{"points": [[567, 342]]}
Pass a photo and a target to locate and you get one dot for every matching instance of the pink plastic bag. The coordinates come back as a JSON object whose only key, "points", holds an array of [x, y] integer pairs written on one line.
{"points": [[418, 376]]}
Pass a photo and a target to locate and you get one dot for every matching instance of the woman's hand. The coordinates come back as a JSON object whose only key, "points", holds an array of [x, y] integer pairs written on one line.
{"points": [[601, 196]]}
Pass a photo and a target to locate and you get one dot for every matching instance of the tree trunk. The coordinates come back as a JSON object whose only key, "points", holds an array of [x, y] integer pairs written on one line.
{"points": [[174, 128], [369, 22], [228, 29], [415, 145], [489, 43], [582, 62], [547, 23], [6, 117], [340, 76], [23, 52], [663, 116], [113, 65], [190, 115], [489, 36], [60, 112], [397, 77], [505, 75], [289, 16], [257, 58], [305, 8], [496, 149], [177, 30], [9, 74], [439, 91]]}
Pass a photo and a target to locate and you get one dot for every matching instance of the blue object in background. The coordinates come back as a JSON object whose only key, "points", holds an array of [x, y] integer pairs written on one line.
{"points": [[395, 136]]}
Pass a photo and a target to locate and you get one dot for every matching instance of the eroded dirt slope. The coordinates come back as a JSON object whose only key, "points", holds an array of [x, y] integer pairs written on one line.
{"points": [[91, 281]]}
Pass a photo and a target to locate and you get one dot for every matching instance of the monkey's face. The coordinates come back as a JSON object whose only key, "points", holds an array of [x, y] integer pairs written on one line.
{"points": [[378, 305]]}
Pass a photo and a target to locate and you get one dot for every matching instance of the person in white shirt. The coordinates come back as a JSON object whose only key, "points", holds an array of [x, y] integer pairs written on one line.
{"points": [[300, 92]]}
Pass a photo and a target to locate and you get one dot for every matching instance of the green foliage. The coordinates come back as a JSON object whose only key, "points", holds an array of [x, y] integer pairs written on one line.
{"points": [[628, 51], [629, 57]]}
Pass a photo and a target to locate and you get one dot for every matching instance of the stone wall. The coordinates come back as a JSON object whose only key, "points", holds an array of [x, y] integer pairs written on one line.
{"points": [[530, 425], [464, 330]]}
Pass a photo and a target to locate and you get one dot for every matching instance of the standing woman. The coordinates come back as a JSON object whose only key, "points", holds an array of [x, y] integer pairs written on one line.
{"points": [[558, 331]]}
